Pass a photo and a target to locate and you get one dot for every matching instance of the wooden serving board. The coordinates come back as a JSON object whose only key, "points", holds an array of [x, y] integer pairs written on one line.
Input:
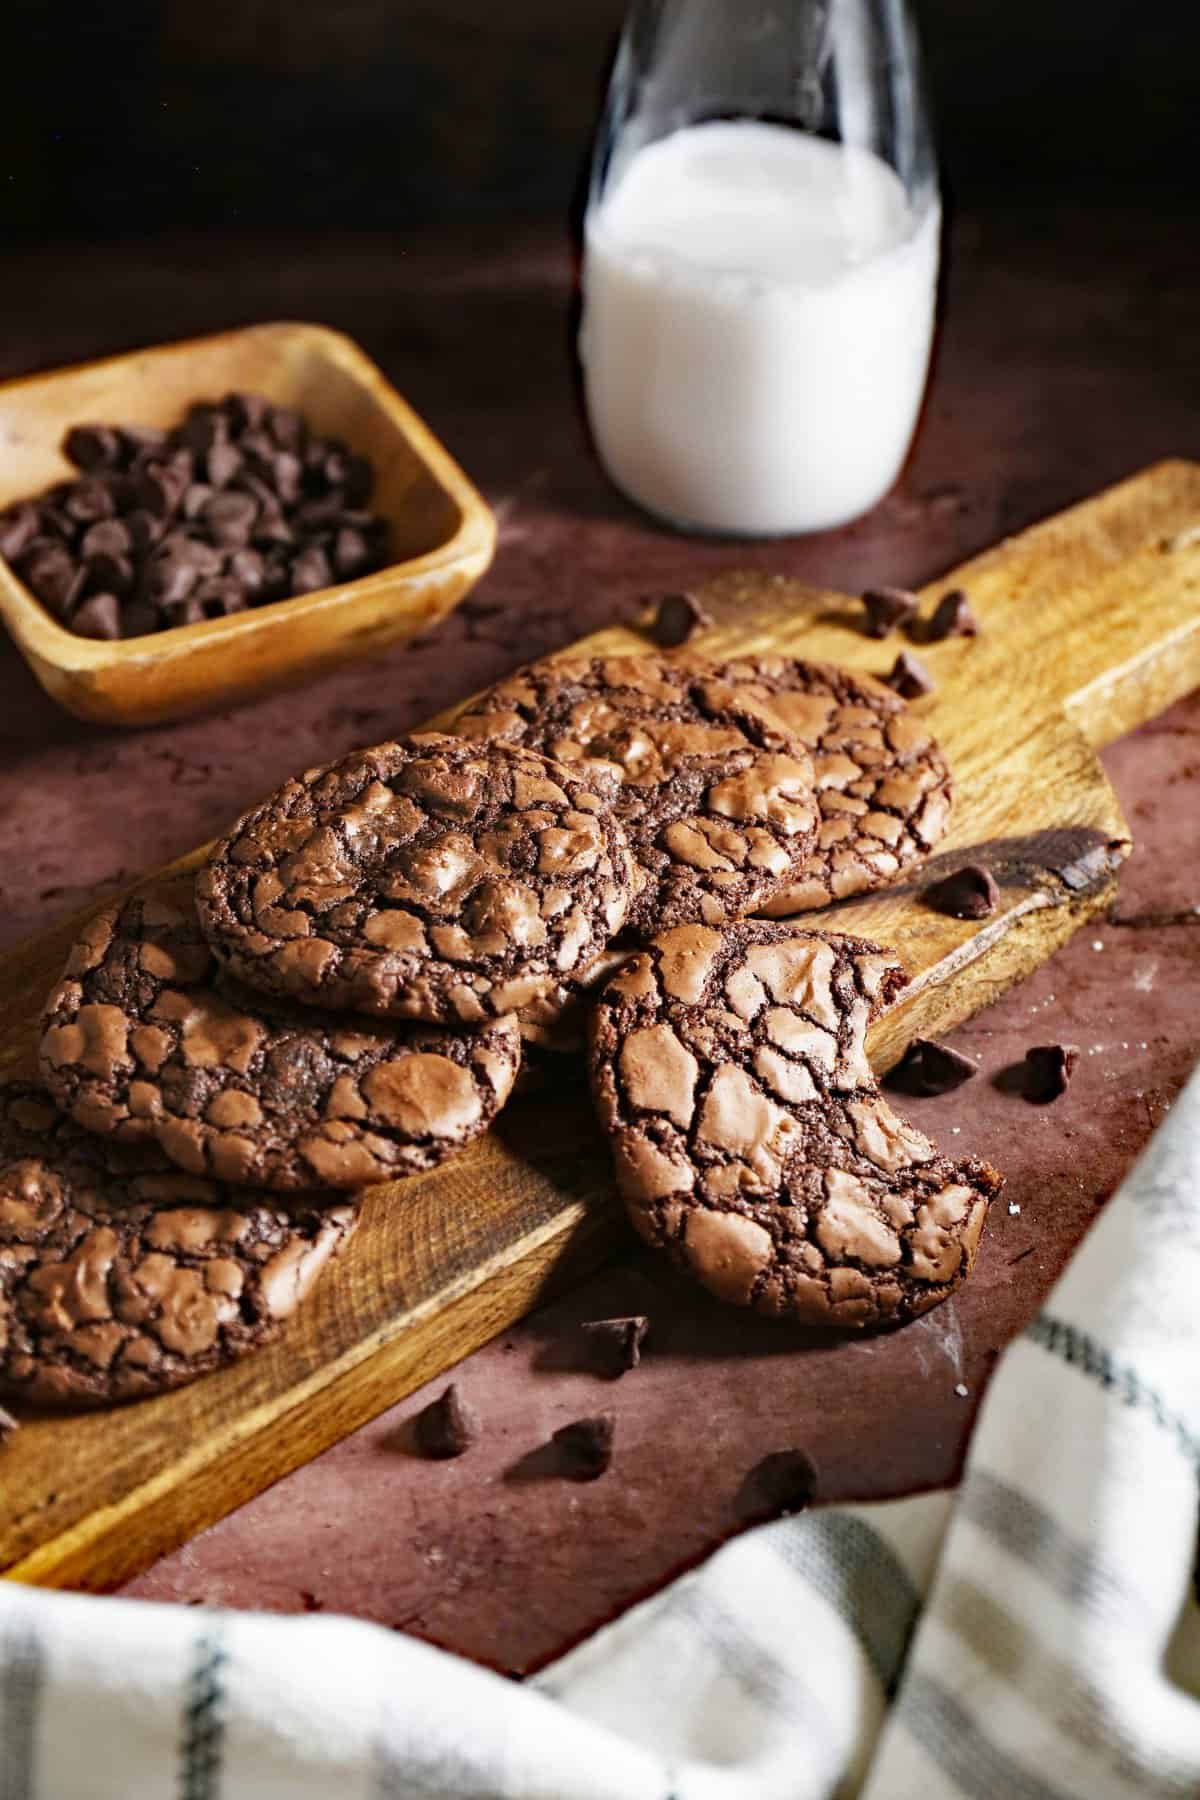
{"points": [[1090, 625]]}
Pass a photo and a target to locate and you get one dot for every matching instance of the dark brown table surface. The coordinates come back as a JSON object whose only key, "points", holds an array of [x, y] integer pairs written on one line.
{"points": [[1068, 359]]}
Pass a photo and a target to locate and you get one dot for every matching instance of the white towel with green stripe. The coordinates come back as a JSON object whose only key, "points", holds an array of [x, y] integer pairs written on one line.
{"points": [[1032, 1636]]}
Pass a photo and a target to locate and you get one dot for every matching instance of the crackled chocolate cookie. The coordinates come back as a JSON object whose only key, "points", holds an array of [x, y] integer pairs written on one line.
{"points": [[121, 1276], [750, 1137], [883, 785], [144, 1038], [716, 798], [424, 879]]}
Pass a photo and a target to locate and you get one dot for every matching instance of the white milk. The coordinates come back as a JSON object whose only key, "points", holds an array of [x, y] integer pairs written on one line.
{"points": [[758, 309]]}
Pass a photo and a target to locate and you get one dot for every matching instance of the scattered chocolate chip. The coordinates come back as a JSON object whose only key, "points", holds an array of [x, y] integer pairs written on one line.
{"points": [[18, 527], [783, 1482], [909, 676], [447, 1426], [952, 617], [98, 617], [887, 607], [618, 1342], [677, 618], [969, 893], [587, 1445], [1048, 1071], [8, 1426], [928, 1068]]}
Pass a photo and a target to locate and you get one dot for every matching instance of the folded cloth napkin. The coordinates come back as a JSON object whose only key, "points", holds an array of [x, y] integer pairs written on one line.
{"points": [[1032, 1636]]}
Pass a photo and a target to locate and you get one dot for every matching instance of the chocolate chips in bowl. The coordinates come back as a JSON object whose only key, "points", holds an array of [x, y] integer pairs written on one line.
{"points": [[240, 504]]}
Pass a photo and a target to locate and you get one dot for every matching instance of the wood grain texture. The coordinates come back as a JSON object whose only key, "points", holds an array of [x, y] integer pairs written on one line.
{"points": [[1091, 623]]}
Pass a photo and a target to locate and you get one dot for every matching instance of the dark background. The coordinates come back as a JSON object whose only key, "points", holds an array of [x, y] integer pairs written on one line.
{"points": [[127, 118]]}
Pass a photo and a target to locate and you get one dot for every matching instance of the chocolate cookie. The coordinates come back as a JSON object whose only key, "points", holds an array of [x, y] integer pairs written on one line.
{"points": [[750, 1137], [883, 785], [121, 1276], [717, 799], [145, 1039], [424, 879]]}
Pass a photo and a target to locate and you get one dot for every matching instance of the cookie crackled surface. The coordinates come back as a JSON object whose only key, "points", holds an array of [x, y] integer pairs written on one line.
{"points": [[717, 798], [122, 1276], [883, 785], [750, 1138], [423, 879], [145, 1039]]}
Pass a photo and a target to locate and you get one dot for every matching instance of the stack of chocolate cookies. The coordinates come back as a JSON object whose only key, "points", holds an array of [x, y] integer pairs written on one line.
{"points": [[346, 996]]}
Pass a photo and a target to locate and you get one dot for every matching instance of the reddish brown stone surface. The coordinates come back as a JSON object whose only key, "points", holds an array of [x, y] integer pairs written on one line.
{"points": [[1067, 361]]}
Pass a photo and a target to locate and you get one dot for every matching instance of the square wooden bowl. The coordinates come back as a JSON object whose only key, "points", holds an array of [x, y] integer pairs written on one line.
{"points": [[442, 532]]}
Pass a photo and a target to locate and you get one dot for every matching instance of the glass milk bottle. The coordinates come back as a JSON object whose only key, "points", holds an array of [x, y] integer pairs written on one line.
{"points": [[760, 261]]}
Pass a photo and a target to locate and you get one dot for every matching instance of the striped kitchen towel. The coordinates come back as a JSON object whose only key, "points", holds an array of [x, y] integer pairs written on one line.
{"points": [[1033, 1636]]}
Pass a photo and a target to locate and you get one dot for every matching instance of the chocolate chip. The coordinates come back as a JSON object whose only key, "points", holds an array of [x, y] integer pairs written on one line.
{"points": [[953, 617], [222, 463], [204, 428], [186, 610], [141, 442], [196, 499], [1048, 1071], [109, 574], [108, 537], [677, 618], [618, 1342], [230, 516], [287, 473], [144, 529], [351, 553], [98, 617], [8, 1426], [246, 567], [358, 481], [54, 576], [783, 1482], [18, 527], [928, 1068], [93, 447], [969, 893], [85, 501], [447, 1426], [245, 412], [310, 571], [587, 1445], [140, 618], [887, 607], [220, 597], [161, 487], [909, 676], [287, 427], [172, 574]]}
